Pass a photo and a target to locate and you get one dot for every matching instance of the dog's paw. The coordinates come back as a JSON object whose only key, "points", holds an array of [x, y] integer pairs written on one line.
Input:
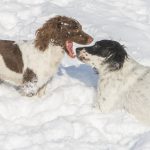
{"points": [[28, 89]]}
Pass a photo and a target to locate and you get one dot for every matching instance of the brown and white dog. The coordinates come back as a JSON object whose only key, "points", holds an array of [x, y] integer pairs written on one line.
{"points": [[30, 64]]}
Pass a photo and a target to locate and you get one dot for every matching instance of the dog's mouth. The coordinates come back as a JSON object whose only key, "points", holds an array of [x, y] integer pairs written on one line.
{"points": [[69, 49], [83, 59]]}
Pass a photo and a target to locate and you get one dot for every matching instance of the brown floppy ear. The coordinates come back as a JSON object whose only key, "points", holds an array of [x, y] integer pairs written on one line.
{"points": [[42, 39], [47, 33]]}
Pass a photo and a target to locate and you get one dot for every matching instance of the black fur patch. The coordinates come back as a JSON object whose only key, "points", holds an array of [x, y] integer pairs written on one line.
{"points": [[113, 52]]}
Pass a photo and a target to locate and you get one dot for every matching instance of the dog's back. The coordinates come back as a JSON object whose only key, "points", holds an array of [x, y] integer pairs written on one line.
{"points": [[11, 63], [138, 98]]}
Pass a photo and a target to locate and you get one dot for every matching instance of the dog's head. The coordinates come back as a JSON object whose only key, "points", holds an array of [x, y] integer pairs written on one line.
{"points": [[106, 52], [61, 31]]}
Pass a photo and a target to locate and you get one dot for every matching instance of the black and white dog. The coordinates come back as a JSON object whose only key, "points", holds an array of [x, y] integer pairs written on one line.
{"points": [[123, 83]]}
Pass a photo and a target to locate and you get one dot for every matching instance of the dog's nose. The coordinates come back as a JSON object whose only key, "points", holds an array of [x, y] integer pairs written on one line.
{"points": [[78, 50], [90, 39]]}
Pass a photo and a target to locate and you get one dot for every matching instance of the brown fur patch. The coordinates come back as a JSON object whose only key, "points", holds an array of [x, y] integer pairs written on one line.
{"points": [[58, 30], [12, 55], [29, 76]]}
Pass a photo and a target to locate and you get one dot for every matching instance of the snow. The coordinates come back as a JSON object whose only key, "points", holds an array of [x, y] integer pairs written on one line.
{"points": [[65, 119]]}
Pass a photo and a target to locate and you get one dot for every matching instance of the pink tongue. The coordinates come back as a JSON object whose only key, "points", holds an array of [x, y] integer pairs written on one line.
{"points": [[69, 46]]}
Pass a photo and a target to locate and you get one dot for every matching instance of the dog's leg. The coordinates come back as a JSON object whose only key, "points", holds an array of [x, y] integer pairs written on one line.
{"points": [[96, 103], [29, 87], [41, 91]]}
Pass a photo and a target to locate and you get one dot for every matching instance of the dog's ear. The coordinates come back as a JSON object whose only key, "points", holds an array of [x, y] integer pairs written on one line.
{"points": [[116, 58]]}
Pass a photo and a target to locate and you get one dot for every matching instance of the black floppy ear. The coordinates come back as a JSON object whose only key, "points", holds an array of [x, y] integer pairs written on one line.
{"points": [[116, 59]]}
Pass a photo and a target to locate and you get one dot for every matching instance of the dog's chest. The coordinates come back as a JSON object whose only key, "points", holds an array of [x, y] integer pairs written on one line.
{"points": [[109, 93]]}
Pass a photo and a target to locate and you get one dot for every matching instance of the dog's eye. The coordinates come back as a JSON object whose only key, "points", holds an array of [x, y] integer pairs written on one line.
{"points": [[77, 30], [97, 46], [76, 27]]}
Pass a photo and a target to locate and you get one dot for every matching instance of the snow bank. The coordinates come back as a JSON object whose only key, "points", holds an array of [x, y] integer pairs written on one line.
{"points": [[65, 119]]}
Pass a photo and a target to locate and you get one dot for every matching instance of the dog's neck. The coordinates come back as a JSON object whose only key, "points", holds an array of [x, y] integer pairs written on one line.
{"points": [[130, 68], [113, 83]]}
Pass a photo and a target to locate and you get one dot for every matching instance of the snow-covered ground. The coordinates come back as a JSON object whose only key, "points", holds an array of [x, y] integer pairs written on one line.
{"points": [[64, 118]]}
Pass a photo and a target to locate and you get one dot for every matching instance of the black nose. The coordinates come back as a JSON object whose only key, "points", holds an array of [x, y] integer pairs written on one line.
{"points": [[78, 50]]}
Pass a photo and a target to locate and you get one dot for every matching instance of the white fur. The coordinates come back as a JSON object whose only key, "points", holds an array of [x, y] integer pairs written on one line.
{"points": [[127, 88], [43, 63]]}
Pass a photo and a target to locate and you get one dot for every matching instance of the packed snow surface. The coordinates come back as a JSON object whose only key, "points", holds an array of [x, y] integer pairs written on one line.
{"points": [[65, 119]]}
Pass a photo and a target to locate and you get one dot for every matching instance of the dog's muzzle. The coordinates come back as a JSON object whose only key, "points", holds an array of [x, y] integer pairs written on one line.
{"points": [[78, 50], [80, 53]]}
